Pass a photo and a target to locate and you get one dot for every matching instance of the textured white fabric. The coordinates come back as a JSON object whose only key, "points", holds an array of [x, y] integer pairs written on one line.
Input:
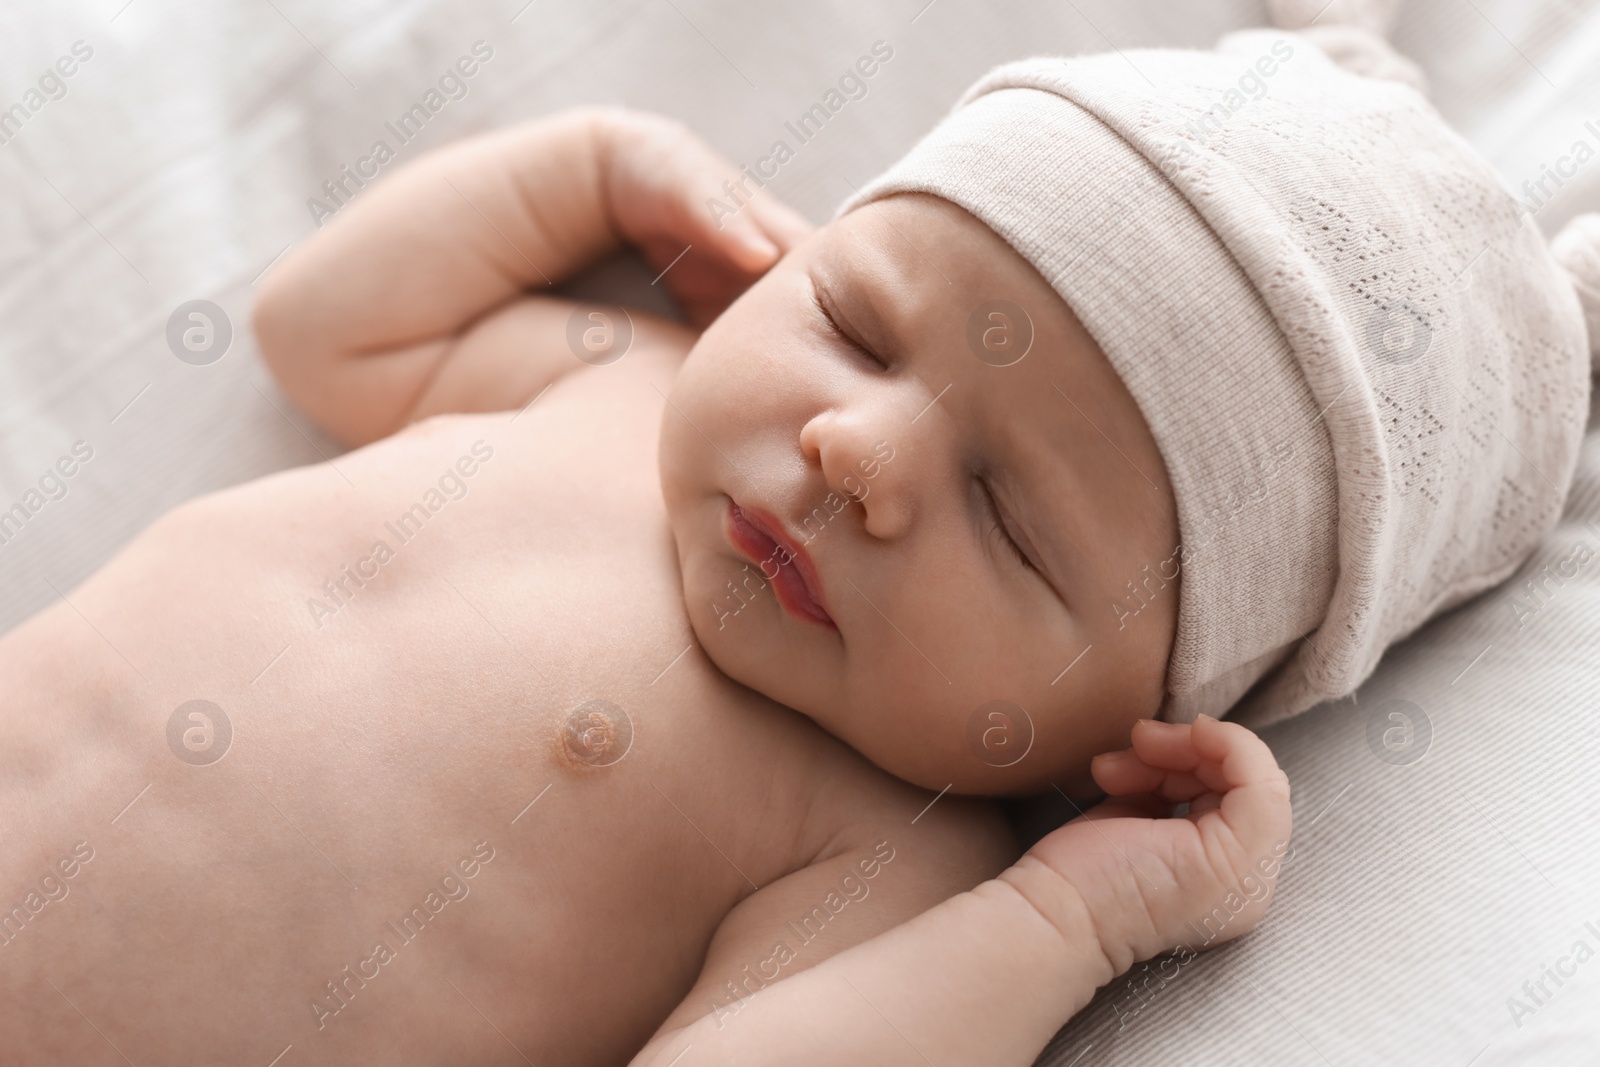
{"points": [[1427, 376], [1412, 916]]}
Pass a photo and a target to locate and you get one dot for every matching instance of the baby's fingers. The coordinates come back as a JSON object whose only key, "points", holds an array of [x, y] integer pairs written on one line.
{"points": [[1200, 749], [785, 226], [1242, 757], [1254, 790], [752, 231], [665, 183], [1203, 762], [1162, 758], [1165, 745], [1125, 774]]}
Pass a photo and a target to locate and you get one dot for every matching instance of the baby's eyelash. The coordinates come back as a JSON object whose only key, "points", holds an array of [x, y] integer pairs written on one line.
{"points": [[997, 529], [846, 338]]}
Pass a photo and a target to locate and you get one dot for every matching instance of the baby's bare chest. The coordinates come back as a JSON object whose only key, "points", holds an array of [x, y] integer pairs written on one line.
{"points": [[467, 642]]}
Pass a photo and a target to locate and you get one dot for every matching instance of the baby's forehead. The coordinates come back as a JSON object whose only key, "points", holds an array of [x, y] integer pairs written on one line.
{"points": [[915, 260], [911, 228], [860, 258]]}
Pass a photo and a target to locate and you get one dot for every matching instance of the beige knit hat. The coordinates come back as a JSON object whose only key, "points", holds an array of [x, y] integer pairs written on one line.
{"points": [[1367, 374]]}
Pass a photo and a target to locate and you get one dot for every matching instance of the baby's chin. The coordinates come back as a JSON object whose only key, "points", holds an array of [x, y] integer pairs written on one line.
{"points": [[735, 638], [903, 742]]}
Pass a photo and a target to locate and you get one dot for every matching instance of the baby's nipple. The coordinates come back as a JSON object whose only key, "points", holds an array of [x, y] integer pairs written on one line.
{"points": [[597, 733]]}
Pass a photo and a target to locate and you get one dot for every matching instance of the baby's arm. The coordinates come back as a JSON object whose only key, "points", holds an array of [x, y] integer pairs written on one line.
{"points": [[990, 975], [414, 299]]}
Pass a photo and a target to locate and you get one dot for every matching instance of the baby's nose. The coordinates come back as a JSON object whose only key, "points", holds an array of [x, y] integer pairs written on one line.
{"points": [[857, 452]]}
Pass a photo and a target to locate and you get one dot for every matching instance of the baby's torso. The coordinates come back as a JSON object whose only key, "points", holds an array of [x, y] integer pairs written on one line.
{"points": [[477, 784]]}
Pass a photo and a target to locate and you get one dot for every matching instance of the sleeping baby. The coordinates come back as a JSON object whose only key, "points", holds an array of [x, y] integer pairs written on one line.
{"points": [[632, 693]]}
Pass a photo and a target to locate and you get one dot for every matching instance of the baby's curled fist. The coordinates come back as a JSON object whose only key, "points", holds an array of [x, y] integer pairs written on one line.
{"points": [[1148, 882], [434, 291], [658, 180]]}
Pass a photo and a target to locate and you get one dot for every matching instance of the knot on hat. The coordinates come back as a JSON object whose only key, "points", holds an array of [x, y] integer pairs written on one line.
{"points": [[1577, 249], [1352, 33], [1374, 16]]}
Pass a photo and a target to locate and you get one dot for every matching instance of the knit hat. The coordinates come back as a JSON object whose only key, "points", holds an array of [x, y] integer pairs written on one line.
{"points": [[1367, 374]]}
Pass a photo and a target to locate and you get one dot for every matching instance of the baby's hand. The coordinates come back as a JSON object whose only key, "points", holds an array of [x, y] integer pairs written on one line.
{"points": [[989, 975], [429, 292], [664, 187], [1151, 882]]}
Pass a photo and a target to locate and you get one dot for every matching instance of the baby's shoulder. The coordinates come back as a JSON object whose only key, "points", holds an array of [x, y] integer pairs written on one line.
{"points": [[889, 852]]}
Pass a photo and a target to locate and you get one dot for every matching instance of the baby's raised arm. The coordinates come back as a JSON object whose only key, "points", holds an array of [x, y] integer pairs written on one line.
{"points": [[990, 975], [415, 299]]}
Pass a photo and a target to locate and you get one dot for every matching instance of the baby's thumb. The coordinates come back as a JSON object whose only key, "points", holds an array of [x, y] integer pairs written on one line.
{"points": [[734, 212], [665, 185], [731, 226], [755, 226]]}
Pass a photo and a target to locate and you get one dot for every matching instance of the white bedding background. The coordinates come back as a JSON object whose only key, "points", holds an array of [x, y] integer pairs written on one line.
{"points": [[178, 164]]}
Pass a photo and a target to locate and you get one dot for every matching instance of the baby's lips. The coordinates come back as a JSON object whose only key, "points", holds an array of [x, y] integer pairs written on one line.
{"points": [[794, 568]]}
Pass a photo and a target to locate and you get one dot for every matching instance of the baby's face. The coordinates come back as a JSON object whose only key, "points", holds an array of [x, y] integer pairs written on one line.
{"points": [[886, 524]]}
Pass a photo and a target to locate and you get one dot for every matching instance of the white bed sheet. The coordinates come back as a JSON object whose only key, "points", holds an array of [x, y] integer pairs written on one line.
{"points": [[178, 165]]}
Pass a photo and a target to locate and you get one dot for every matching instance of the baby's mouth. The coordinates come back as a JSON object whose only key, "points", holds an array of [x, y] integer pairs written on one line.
{"points": [[761, 539]]}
